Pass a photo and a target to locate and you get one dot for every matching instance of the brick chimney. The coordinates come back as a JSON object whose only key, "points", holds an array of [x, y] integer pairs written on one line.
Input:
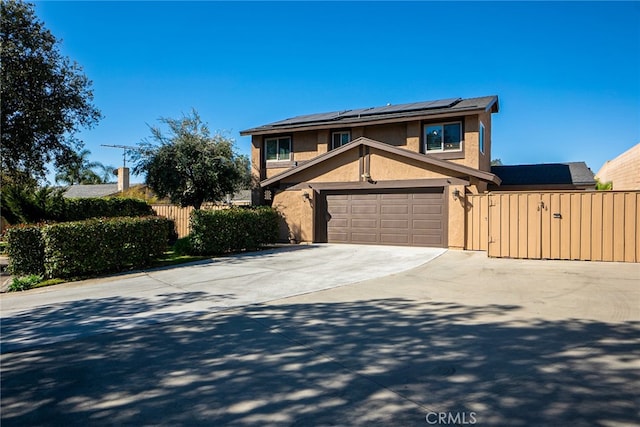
{"points": [[123, 179]]}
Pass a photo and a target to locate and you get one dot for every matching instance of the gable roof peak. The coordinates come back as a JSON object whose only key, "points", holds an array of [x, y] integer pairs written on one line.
{"points": [[364, 141]]}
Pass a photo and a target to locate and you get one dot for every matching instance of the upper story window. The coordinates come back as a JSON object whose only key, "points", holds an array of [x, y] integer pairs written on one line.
{"points": [[481, 142], [338, 139], [278, 148], [443, 137]]}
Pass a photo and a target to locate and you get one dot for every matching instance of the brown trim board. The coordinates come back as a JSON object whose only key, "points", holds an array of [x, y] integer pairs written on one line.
{"points": [[378, 185]]}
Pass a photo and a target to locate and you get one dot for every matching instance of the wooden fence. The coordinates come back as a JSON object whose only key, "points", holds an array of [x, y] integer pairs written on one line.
{"points": [[578, 225], [181, 215]]}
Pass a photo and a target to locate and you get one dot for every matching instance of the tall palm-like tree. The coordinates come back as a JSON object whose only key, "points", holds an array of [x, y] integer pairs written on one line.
{"points": [[107, 173], [80, 171]]}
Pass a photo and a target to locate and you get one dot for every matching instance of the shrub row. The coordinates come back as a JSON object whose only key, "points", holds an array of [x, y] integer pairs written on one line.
{"points": [[79, 209], [231, 230], [87, 248], [21, 205], [25, 249]]}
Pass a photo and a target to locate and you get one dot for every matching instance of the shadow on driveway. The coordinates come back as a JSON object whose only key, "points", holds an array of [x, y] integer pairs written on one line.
{"points": [[380, 362], [70, 320]]}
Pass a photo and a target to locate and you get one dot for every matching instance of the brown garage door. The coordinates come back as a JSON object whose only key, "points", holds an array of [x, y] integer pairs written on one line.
{"points": [[413, 217]]}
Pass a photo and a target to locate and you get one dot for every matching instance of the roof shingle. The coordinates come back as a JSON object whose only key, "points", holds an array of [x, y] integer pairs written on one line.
{"points": [[90, 190]]}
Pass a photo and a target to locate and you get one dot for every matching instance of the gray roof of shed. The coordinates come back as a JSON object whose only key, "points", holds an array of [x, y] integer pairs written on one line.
{"points": [[572, 173], [364, 115]]}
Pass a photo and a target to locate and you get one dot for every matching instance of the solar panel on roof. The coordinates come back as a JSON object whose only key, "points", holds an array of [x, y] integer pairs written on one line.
{"points": [[415, 106], [309, 118], [354, 113], [387, 109], [443, 103]]}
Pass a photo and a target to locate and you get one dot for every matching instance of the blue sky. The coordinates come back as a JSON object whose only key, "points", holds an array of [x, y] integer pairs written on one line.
{"points": [[567, 74]]}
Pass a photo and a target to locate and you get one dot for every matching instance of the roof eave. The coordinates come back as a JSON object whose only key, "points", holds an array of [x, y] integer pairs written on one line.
{"points": [[493, 106]]}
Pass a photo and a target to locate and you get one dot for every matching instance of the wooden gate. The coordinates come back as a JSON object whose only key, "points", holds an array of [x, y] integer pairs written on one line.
{"points": [[596, 226]]}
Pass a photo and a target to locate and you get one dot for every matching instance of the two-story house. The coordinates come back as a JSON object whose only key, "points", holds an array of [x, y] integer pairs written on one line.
{"points": [[394, 175]]}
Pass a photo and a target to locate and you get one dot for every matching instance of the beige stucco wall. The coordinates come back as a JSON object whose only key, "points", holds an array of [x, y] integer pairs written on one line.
{"points": [[485, 158], [324, 141], [357, 132], [296, 212], [623, 171], [383, 167], [413, 132], [305, 145], [387, 166], [256, 142], [392, 134], [342, 168], [271, 172], [456, 214], [471, 132]]}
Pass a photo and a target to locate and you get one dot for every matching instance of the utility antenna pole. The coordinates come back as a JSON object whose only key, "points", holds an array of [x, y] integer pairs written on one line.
{"points": [[124, 151]]}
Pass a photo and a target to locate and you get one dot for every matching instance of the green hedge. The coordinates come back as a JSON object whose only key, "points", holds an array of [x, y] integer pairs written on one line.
{"points": [[25, 206], [232, 230], [25, 249], [88, 248], [79, 209]]}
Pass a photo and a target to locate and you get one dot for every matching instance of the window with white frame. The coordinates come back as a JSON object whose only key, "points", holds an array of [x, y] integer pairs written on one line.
{"points": [[278, 149], [443, 137], [481, 138], [338, 139]]}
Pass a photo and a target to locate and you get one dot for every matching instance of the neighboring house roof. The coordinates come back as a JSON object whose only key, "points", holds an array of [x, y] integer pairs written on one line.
{"points": [[241, 197], [623, 171], [90, 190], [573, 174], [431, 161], [385, 114]]}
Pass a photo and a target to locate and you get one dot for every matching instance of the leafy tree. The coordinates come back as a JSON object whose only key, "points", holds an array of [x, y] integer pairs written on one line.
{"points": [[140, 192], [80, 170], [19, 204], [496, 162], [45, 98], [107, 173], [189, 165]]}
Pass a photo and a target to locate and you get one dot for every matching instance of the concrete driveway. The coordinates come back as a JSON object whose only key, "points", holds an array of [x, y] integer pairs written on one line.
{"points": [[198, 288], [459, 340]]}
